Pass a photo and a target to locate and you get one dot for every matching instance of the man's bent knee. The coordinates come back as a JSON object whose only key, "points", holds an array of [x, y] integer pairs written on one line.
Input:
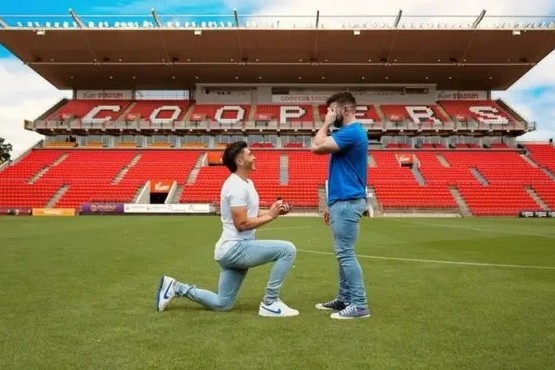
{"points": [[290, 249], [224, 305]]}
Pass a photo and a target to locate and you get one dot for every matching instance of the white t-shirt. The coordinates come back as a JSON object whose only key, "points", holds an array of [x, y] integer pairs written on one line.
{"points": [[236, 192]]}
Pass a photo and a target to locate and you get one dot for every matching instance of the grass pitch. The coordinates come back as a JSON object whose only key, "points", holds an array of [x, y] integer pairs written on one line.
{"points": [[79, 293]]}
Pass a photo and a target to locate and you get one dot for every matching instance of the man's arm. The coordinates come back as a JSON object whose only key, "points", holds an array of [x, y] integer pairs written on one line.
{"points": [[243, 223], [262, 212], [322, 143]]}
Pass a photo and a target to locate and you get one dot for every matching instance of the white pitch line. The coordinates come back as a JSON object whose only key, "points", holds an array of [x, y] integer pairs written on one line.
{"points": [[462, 227], [438, 261]]}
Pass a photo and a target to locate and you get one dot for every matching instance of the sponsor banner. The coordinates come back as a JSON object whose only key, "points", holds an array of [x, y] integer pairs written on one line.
{"points": [[12, 211], [461, 95], [53, 211], [102, 208], [169, 208], [161, 186], [104, 94], [537, 214]]}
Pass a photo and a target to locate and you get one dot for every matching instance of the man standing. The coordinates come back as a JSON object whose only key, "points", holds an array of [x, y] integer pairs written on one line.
{"points": [[348, 170], [237, 250]]}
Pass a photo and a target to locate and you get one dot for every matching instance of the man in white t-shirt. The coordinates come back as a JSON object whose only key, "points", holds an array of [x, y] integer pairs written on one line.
{"points": [[237, 250]]}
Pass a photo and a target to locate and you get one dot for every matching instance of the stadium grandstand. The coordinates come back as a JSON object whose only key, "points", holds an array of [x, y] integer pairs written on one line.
{"points": [[155, 102]]}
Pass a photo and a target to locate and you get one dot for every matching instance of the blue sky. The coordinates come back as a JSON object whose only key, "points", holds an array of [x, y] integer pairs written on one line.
{"points": [[113, 7], [29, 95], [118, 7]]}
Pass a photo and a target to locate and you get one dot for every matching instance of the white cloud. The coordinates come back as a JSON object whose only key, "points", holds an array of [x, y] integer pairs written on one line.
{"points": [[24, 95], [543, 74], [425, 9], [535, 104], [533, 96], [409, 7]]}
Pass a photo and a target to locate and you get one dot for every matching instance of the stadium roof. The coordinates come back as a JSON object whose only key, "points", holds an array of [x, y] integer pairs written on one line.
{"points": [[170, 58]]}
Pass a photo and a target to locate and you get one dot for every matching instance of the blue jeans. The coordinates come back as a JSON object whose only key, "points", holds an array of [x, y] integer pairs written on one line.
{"points": [[344, 221], [234, 267]]}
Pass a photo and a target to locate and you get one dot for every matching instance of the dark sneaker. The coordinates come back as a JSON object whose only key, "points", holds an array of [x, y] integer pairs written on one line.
{"points": [[336, 305], [351, 312]]}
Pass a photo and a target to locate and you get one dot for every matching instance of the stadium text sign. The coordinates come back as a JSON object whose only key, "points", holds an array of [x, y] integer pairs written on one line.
{"points": [[461, 95], [104, 94], [308, 99], [321, 98]]}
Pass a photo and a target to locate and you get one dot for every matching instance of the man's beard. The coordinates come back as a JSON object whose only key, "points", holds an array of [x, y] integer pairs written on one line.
{"points": [[338, 122]]}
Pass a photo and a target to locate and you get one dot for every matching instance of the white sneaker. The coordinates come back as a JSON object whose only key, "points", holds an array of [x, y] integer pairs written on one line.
{"points": [[165, 292], [276, 309]]}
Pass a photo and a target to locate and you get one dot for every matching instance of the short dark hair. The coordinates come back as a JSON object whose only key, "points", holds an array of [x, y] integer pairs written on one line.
{"points": [[342, 98], [231, 152]]}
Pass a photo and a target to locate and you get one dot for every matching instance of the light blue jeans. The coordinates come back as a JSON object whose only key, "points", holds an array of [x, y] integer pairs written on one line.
{"points": [[344, 221], [234, 267]]}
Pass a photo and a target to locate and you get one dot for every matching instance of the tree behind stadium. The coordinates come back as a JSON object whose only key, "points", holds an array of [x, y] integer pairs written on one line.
{"points": [[5, 150]]}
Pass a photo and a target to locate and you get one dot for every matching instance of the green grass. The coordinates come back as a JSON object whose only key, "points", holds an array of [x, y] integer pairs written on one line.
{"points": [[78, 293]]}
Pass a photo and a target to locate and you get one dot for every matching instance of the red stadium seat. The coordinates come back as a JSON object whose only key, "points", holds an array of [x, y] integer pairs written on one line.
{"points": [[158, 110], [221, 114], [93, 111], [481, 111]]}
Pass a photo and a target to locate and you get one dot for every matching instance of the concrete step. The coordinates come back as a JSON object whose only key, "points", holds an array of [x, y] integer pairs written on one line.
{"points": [[126, 169], [529, 160], [463, 207], [371, 161], [373, 201], [196, 169], [284, 169], [177, 195], [44, 170], [137, 193], [537, 198], [418, 175], [443, 160], [478, 175], [548, 173], [57, 196], [322, 199]]}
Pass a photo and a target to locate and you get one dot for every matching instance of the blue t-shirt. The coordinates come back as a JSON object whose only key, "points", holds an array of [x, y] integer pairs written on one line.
{"points": [[348, 168]]}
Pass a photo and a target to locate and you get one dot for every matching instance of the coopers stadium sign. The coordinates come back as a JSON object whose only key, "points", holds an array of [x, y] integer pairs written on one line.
{"points": [[104, 94], [461, 95], [308, 99], [321, 98]]}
